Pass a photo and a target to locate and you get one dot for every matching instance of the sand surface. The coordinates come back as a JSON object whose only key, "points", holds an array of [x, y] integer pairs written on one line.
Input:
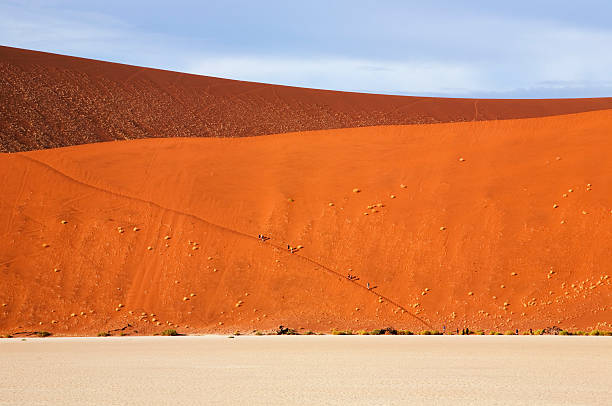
{"points": [[330, 370], [485, 234], [52, 100]]}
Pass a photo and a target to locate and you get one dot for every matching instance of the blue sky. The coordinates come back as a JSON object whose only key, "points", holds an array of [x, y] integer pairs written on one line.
{"points": [[434, 48]]}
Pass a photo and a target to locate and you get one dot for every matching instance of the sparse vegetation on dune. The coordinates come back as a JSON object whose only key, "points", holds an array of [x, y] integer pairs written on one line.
{"points": [[286, 331], [383, 331], [342, 332], [431, 333]]}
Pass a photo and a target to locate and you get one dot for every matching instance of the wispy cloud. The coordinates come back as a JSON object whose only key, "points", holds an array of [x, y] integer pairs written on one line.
{"points": [[342, 74]]}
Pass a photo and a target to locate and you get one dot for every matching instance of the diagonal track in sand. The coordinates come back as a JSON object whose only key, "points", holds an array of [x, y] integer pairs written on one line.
{"points": [[223, 228]]}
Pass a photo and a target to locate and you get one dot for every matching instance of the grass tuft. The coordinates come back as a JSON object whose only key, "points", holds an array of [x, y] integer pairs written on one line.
{"points": [[342, 332]]}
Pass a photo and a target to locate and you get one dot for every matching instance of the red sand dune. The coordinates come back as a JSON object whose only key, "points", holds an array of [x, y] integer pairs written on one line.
{"points": [[482, 200], [52, 100]]}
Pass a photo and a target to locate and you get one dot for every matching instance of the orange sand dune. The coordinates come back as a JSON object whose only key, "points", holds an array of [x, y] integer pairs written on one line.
{"points": [[526, 204], [52, 100]]}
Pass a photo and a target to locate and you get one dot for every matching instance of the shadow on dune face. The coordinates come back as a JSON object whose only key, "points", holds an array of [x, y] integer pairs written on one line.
{"points": [[55, 101]]}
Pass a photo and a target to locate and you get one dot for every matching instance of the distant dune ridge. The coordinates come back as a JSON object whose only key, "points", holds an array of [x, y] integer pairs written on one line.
{"points": [[53, 101], [488, 224]]}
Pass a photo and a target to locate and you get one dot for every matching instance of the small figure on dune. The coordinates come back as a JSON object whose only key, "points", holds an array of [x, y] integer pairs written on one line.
{"points": [[368, 285]]}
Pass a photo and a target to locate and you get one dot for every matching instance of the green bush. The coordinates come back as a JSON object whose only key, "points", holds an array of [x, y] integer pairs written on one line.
{"points": [[342, 332], [104, 334], [43, 333], [169, 332]]}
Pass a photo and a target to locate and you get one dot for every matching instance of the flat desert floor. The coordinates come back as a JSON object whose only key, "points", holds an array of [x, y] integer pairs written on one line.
{"points": [[384, 370]]}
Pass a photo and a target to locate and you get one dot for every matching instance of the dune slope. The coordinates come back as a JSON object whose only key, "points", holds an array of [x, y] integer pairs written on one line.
{"points": [[52, 100], [493, 225]]}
